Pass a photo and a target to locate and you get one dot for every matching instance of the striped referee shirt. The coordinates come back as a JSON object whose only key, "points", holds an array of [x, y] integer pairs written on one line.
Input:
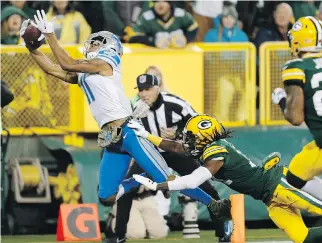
{"points": [[169, 111]]}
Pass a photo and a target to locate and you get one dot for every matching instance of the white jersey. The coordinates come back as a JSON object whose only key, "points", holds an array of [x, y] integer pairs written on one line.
{"points": [[105, 94]]}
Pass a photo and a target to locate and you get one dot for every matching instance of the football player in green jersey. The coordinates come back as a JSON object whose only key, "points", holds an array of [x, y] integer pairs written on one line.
{"points": [[204, 137], [302, 101]]}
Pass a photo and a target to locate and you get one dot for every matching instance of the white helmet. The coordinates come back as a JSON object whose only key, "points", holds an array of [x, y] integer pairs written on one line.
{"points": [[105, 40]]}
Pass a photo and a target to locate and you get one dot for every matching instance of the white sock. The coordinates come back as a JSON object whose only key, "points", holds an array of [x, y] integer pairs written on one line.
{"points": [[314, 188]]}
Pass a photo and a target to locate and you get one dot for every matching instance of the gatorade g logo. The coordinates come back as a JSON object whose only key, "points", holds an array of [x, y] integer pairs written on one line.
{"points": [[204, 124], [78, 222], [81, 223]]}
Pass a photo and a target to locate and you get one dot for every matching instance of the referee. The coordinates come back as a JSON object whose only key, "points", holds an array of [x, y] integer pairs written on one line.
{"points": [[166, 118]]}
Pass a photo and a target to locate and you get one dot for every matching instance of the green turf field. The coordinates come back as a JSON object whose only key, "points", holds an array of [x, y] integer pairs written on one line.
{"points": [[267, 235]]}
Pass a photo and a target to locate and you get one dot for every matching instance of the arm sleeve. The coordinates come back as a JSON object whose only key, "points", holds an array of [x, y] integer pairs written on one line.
{"points": [[195, 179], [293, 74], [109, 56]]}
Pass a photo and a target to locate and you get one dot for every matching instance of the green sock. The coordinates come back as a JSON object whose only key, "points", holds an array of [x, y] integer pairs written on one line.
{"points": [[314, 235]]}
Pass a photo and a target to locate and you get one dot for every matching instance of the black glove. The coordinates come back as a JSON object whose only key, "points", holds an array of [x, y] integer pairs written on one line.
{"points": [[221, 209]]}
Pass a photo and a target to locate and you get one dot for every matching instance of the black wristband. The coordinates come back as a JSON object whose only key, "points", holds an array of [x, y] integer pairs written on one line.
{"points": [[282, 104]]}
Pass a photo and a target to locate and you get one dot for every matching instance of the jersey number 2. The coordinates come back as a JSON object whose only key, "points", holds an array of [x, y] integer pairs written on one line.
{"points": [[317, 97]]}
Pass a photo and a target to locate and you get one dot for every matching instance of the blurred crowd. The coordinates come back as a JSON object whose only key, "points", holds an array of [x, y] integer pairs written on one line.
{"points": [[163, 24]]}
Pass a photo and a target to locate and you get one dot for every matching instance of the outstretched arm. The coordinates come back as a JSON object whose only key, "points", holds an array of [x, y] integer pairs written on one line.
{"points": [[164, 144], [53, 69], [71, 65], [47, 29], [61, 55], [66, 62], [43, 61], [193, 180], [168, 145]]}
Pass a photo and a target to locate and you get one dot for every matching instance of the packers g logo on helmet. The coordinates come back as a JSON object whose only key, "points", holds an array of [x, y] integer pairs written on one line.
{"points": [[199, 131], [306, 36], [297, 26], [204, 124]]}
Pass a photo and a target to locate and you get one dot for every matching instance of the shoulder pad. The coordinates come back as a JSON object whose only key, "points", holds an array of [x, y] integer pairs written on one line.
{"points": [[214, 150], [292, 63], [110, 56], [178, 12], [148, 15], [293, 72]]}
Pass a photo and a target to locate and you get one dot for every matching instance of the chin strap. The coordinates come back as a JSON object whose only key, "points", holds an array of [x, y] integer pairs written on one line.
{"points": [[91, 55]]}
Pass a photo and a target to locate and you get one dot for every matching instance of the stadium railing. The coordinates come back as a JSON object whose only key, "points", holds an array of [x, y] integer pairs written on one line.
{"points": [[272, 56], [217, 79]]}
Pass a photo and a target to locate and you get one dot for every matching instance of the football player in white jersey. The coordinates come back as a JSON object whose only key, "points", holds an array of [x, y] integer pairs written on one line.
{"points": [[99, 76]]}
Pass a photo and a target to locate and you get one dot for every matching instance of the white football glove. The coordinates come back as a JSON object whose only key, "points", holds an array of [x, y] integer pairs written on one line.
{"points": [[177, 39], [138, 129], [162, 40], [42, 24], [277, 95], [146, 182], [23, 28]]}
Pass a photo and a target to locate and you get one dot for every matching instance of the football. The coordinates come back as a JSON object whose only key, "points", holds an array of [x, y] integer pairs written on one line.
{"points": [[31, 36]]}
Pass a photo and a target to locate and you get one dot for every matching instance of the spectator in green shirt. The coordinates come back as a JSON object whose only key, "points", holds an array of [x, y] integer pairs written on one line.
{"points": [[11, 20]]}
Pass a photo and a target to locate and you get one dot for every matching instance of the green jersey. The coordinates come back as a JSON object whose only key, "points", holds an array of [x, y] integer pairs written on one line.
{"points": [[240, 174], [307, 73], [149, 24]]}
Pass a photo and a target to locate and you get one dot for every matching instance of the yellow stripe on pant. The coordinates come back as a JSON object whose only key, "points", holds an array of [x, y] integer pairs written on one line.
{"points": [[284, 209]]}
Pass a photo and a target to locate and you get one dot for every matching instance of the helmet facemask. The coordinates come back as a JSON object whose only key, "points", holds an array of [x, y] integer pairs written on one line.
{"points": [[99, 41], [293, 45], [194, 144], [189, 143]]}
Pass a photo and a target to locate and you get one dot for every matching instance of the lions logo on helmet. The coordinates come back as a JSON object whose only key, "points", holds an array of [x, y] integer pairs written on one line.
{"points": [[200, 131], [306, 36]]}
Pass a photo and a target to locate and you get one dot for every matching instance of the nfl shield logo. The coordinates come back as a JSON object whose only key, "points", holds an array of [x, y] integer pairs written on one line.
{"points": [[142, 79]]}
